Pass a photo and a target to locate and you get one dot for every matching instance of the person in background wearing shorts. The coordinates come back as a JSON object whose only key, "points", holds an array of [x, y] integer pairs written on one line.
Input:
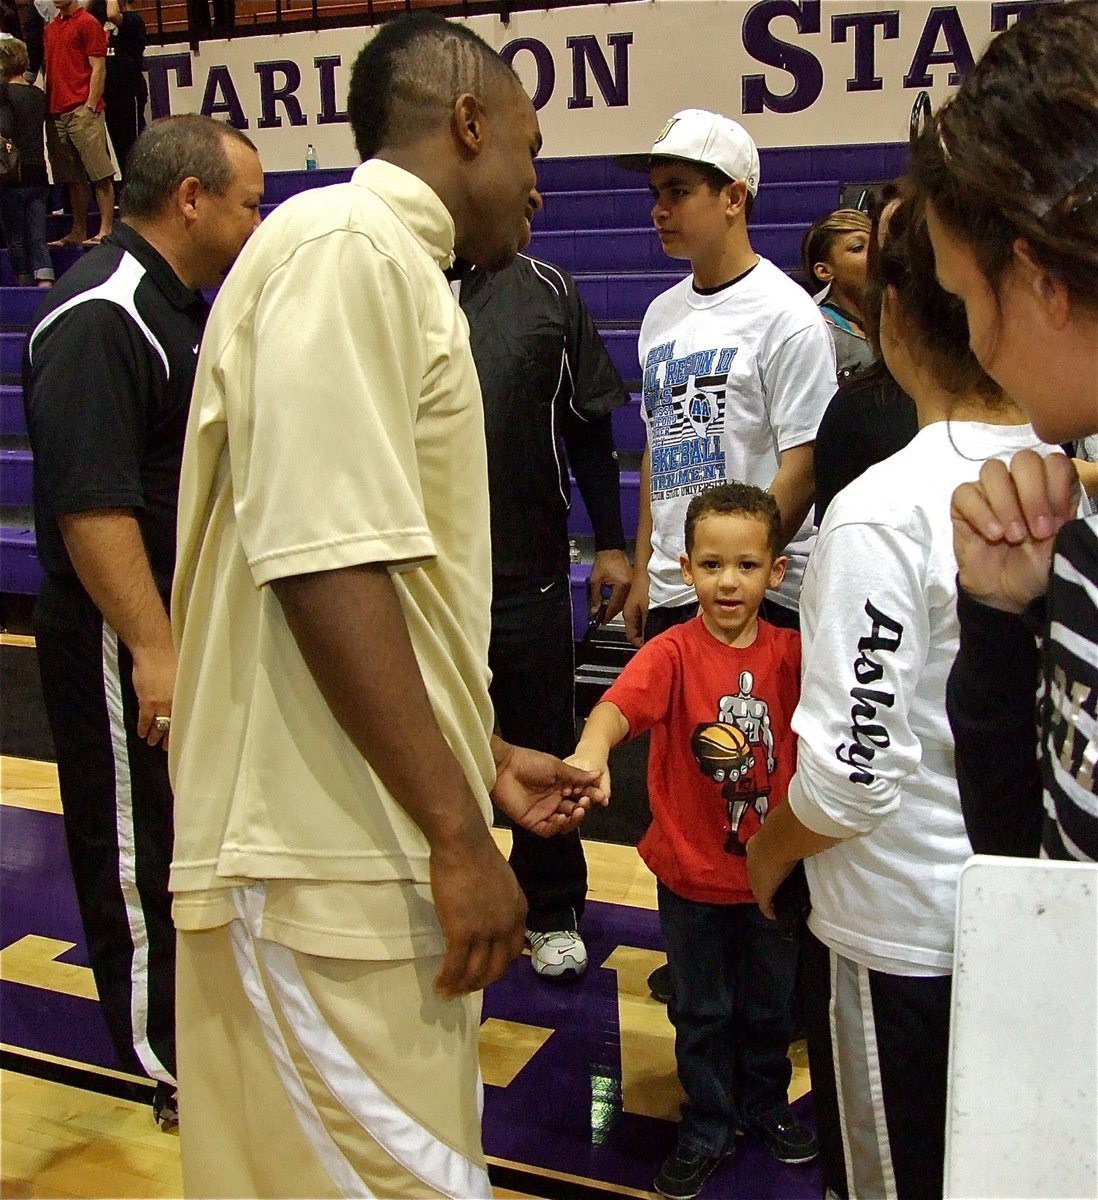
{"points": [[76, 131]]}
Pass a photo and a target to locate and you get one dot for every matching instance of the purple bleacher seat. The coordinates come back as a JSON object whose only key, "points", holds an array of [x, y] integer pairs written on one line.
{"points": [[621, 345], [16, 478], [62, 259], [20, 570], [13, 421], [798, 203], [790, 164], [279, 185], [782, 164], [11, 353], [776, 203], [600, 250], [20, 304], [640, 249], [625, 295], [596, 173], [579, 523], [579, 573], [629, 432], [620, 209]]}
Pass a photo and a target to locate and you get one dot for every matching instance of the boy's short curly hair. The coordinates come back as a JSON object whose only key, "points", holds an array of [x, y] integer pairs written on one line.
{"points": [[736, 499]]}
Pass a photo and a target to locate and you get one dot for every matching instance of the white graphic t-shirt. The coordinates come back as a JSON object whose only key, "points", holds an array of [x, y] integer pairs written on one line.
{"points": [[730, 380]]}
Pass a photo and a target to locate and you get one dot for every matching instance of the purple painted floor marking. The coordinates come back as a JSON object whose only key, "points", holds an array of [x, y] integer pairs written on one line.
{"points": [[37, 897], [562, 1112]]}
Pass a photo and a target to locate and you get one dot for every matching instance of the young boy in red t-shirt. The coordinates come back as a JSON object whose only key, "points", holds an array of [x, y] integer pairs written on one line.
{"points": [[718, 693]]}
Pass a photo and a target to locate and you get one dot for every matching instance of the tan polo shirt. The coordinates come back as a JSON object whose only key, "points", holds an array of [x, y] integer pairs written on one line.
{"points": [[336, 421]]}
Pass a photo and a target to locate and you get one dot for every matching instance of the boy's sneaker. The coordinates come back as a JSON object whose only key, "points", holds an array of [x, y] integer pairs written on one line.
{"points": [[787, 1138], [559, 954], [684, 1172], [165, 1106], [659, 984]]}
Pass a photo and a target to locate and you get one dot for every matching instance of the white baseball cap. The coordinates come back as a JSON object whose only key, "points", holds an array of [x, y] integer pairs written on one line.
{"points": [[695, 135]]}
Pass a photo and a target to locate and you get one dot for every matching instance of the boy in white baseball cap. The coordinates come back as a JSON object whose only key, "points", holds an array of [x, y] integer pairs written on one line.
{"points": [[737, 368], [697, 136]]}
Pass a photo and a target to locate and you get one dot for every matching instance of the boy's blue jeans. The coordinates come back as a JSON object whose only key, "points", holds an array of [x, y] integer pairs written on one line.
{"points": [[732, 980]]}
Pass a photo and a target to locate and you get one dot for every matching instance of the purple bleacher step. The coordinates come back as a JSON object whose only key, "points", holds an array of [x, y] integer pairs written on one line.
{"points": [[579, 573], [11, 352], [16, 479], [783, 164], [579, 523], [20, 571], [629, 432], [19, 304], [62, 259], [280, 185], [640, 249], [13, 420], [624, 295], [626, 208], [621, 345]]}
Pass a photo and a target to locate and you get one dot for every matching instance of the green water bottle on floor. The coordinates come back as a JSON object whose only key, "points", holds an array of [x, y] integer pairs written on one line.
{"points": [[311, 163]]}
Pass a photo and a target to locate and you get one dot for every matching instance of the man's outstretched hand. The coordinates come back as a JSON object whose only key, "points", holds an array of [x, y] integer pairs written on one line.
{"points": [[479, 903], [540, 792]]}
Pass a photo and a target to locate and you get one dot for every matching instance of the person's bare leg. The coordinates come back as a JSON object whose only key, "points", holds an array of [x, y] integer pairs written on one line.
{"points": [[104, 197], [78, 199]]}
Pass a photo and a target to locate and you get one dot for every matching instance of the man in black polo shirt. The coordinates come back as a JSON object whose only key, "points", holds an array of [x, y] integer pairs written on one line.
{"points": [[546, 380], [107, 377]]}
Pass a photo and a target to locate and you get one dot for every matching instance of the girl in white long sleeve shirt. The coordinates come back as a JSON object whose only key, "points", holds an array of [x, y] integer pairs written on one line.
{"points": [[874, 806]]}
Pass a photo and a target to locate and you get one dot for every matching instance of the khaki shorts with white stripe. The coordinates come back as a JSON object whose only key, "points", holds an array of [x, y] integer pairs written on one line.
{"points": [[306, 1076]]}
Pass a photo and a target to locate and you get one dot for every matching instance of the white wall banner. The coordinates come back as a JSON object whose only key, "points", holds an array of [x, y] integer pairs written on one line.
{"points": [[604, 78]]}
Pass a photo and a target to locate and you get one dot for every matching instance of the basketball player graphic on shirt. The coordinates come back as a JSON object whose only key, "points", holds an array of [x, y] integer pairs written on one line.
{"points": [[737, 751]]}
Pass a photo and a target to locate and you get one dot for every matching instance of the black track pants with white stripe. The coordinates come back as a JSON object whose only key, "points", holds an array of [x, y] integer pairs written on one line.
{"points": [[878, 1048], [118, 824]]}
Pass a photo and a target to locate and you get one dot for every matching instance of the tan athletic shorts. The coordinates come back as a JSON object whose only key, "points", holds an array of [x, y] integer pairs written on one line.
{"points": [[77, 145], [306, 1076]]}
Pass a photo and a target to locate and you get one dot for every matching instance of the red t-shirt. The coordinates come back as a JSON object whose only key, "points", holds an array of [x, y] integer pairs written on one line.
{"points": [[71, 42], [721, 731]]}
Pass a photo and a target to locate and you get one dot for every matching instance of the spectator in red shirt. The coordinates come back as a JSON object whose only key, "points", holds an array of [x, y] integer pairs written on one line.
{"points": [[76, 132]]}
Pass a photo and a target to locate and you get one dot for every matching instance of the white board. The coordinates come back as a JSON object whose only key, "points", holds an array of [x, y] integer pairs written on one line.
{"points": [[1022, 1114]]}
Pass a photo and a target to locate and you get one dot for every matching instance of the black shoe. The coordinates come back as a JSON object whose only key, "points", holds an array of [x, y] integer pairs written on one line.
{"points": [[165, 1106], [787, 1138], [684, 1173], [659, 984]]}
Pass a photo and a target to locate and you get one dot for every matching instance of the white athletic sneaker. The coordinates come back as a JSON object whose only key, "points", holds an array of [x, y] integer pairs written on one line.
{"points": [[559, 954]]}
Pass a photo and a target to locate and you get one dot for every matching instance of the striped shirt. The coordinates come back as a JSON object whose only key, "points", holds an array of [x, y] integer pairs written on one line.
{"points": [[1068, 697]]}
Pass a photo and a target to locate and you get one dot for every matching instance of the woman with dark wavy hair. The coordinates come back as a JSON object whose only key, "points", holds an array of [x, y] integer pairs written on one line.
{"points": [[874, 807], [1010, 171]]}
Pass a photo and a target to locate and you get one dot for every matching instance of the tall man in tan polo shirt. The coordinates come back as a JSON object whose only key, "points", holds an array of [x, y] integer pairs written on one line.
{"points": [[339, 896]]}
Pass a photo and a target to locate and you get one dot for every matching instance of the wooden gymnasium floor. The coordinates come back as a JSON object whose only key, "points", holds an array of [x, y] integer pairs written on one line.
{"points": [[581, 1093]]}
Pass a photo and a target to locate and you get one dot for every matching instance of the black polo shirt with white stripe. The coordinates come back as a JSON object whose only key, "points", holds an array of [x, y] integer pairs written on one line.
{"points": [[107, 377]]}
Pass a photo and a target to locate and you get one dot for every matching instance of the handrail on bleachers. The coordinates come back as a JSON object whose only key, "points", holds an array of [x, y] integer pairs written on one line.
{"points": [[173, 21]]}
